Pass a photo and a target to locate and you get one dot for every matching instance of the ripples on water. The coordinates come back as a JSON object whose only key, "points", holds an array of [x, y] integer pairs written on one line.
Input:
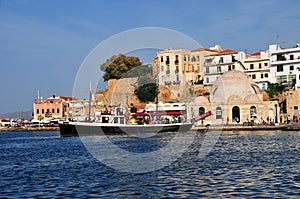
{"points": [[241, 165]]}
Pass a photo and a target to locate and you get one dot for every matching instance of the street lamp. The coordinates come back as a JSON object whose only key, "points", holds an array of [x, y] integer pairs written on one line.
{"points": [[276, 121]]}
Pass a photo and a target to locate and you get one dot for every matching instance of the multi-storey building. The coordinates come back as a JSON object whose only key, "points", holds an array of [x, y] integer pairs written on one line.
{"points": [[174, 67], [285, 65], [54, 107], [225, 60], [258, 68]]}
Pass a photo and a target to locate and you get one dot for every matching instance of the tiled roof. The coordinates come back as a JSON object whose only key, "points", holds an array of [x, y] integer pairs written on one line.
{"points": [[227, 51], [255, 54], [68, 98]]}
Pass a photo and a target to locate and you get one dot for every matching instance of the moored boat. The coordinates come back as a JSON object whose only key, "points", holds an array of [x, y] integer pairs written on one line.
{"points": [[117, 123]]}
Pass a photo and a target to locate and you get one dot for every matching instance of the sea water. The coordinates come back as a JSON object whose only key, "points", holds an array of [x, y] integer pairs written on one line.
{"points": [[240, 165]]}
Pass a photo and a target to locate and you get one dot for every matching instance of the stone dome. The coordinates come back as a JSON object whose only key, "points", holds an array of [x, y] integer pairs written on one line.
{"points": [[233, 83], [201, 100]]}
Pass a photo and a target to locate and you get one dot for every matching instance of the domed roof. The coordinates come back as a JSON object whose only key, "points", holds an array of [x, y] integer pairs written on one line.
{"points": [[201, 100], [251, 98], [233, 83]]}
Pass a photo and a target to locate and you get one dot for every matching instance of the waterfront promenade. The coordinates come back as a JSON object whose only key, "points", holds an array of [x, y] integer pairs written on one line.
{"points": [[201, 128], [232, 127]]}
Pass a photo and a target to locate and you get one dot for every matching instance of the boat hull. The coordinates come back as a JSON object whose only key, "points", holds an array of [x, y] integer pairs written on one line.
{"points": [[89, 129]]}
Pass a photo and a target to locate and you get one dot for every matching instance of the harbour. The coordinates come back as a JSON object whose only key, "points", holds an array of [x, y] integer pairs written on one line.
{"points": [[242, 164]]}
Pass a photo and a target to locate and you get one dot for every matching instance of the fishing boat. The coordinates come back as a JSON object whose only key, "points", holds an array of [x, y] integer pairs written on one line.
{"points": [[118, 122]]}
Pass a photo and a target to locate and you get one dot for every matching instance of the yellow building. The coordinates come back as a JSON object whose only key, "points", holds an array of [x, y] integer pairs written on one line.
{"points": [[289, 105]]}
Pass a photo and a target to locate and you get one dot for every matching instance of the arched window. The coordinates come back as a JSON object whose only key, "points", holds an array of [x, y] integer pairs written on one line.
{"points": [[252, 111], [218, 113], [201, 110]]}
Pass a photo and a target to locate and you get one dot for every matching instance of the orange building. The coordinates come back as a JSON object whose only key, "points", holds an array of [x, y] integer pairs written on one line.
{"points": [[54, 107]]}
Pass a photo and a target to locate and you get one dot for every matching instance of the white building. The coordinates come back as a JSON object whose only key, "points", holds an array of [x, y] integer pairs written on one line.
{"points": [[258, 68], [217, 64], [285, 65]]}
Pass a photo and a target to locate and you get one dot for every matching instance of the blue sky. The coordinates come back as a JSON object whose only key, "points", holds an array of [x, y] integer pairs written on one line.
{"points": [[43, 43]]}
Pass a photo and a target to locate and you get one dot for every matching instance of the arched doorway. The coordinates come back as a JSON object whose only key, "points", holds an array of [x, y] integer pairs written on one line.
{"points": [[236, 113]]}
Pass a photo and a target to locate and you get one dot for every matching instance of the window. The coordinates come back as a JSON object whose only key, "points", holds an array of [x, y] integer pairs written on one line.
{"points": [[291, 95], [266, 64], [253, 76], [291, 57], [207, 70], [161, 59], [207, 79], [177, 78], [291, 78], [221, 60], [43, 111], [229, 67], [291, 67], [37, 111], [162, 68], [219, 69], [282, 78], [193, 59], [233, 67], [281, 57], [261, 76], [176, 59], [252, 111], [259, 65], [201, 110], [168, 60], [48, 111], [279, 68], [296, 110], [53, 110], [266, 75], [218, 113], [251, 66], [57, 110], [176, 68], [198, 58]]}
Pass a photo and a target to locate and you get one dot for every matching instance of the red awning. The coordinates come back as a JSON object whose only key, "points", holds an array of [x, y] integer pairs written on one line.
{"points": [[139, 114], [167, 113]]}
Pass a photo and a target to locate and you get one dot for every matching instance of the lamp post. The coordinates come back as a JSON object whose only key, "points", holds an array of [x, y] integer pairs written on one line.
{"points": [[276, 121]]}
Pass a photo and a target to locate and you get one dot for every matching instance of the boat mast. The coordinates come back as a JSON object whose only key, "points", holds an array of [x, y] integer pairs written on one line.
{"points": [[90, 100], [156, 98]]}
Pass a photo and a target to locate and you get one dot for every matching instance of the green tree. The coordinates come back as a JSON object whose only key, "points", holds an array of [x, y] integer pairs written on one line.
{"points": [[274, 89], [146, 92], [118, 65]]}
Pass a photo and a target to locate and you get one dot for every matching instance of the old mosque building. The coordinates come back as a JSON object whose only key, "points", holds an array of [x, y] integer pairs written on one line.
{"points": [[234, 97]]}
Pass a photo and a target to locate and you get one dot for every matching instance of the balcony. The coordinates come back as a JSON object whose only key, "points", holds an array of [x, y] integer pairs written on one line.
{"points": [[167, 83]]}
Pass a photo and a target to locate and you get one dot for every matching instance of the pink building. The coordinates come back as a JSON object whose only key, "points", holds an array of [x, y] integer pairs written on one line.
{"points": [[54, 107]]}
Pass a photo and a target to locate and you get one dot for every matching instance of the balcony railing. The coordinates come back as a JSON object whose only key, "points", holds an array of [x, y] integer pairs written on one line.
{"points": [[168, 83]]}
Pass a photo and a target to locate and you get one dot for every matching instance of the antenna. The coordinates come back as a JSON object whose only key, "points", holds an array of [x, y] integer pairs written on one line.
{"points": [[90, 99], [38, 96]]}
